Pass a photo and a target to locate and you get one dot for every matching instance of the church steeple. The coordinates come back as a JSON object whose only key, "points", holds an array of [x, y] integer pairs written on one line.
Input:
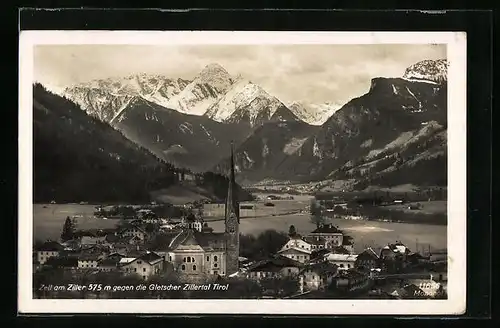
{"points": [[232, 204], [232, 222]]}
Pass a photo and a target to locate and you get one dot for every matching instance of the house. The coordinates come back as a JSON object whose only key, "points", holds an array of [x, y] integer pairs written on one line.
{"points": [[297, 249], [101, 251], [275, 267], [47, 250], [316, 242], [134, 231], [191, 222], [318, 255], [332, 235], [352, 280], [297, 254], [343, 261], [394, 256], [367, 260], [63, 261], [129, 240], [110, 263], [88, 261], [145, 265], [317, 276], [91, 241], [71, 245]]}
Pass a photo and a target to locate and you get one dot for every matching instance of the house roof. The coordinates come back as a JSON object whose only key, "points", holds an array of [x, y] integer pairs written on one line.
{"points": [[326, 228], [295, 248], [341, 257], [320, 252], [150, 257], [132, 226], [126, 260], [351, 273], [339, 250], [63, 261], [51, 246], [321, 268], [397, 248], [88, 257], [92, 240], [314, 240], [275, 264], [113, 261], [369, 252]]}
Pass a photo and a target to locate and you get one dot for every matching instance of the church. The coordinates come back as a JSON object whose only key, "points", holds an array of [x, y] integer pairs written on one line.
{"points": [[195, 251]]}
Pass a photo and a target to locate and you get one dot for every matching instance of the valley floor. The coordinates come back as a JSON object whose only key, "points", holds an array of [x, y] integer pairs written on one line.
{"points": [[48, 220]]}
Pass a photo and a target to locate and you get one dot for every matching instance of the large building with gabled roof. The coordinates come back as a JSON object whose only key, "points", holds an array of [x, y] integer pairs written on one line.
{"points": [[202, 252]]}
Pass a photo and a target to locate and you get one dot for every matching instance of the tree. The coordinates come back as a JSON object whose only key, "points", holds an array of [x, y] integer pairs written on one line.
{"points": [[264, 245], [316, 215], [68, 230], [292, 231]]}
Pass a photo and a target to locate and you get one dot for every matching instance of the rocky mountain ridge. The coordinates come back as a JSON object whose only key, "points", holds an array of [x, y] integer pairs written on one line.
{"points": [[386, 120]]}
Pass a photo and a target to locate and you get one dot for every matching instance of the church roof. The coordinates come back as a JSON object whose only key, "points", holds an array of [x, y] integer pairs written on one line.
{"points": [[207, 241]]}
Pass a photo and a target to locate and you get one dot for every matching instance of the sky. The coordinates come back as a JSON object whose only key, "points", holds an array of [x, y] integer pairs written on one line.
{"points": [[307, 73]]}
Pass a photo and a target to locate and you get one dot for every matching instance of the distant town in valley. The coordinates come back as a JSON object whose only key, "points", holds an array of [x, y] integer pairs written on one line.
{"points": [[155, 187]]}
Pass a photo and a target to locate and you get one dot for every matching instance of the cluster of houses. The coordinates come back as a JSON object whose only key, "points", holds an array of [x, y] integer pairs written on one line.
{"points": [[320, 260], [128, 249], [324, 260]]}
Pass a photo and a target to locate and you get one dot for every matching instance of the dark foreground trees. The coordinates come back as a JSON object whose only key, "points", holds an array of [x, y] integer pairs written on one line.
{"points": [[265, 244]]}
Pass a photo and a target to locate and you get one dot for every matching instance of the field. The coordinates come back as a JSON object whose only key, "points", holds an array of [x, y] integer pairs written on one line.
{"points": [[365, 233], [48, 219], [48, 223], [432, 207], [282, 207]]}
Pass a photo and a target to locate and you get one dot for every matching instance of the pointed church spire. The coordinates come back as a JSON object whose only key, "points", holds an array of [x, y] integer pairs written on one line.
{"points": [[232, 199]]}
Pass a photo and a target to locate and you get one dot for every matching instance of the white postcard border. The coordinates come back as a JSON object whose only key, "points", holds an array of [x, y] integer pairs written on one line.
{"points": [[456, 229]]}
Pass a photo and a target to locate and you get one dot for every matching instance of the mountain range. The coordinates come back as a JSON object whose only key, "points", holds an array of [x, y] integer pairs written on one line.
{"points": [[78, 157], [396, 128]]}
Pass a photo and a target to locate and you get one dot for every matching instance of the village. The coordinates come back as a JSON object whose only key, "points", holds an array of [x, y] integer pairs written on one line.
{"points": [[146, 248]]}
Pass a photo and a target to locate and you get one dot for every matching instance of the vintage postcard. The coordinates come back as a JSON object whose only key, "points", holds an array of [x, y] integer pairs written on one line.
{"points": [[239, 172]]}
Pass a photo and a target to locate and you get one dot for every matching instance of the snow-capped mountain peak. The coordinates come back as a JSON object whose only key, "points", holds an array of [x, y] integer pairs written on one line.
{"points": [[104, 98], [245, 101], [314, 114], [428, 70], [210, 84], [215, 75]]}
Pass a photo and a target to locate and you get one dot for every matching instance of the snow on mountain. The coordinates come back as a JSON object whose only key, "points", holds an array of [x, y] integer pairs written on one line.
{"points": [[246, 101], [314, 114], [105, 98], [428, 70], [212, 82]]}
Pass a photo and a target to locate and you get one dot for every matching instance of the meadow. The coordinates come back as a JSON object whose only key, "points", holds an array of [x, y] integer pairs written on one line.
{"points": [[49, 219]]}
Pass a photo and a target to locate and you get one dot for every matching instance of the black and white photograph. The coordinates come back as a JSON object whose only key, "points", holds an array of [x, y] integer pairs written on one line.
{"points": [[249, 168]]}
